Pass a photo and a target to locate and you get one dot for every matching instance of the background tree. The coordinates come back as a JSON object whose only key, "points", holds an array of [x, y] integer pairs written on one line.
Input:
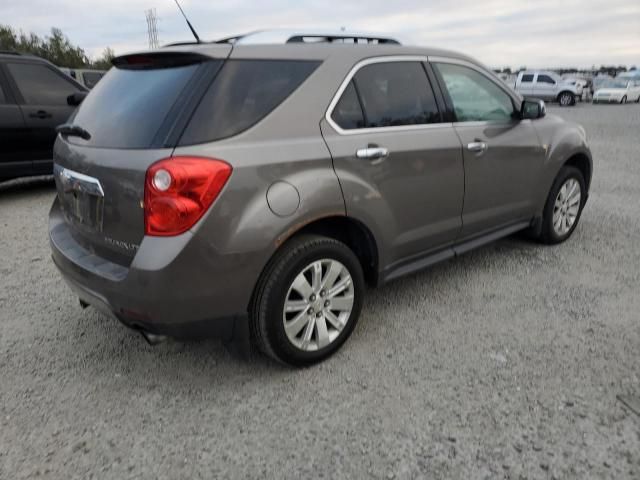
{"points": [[56, 48], [104, 61]]}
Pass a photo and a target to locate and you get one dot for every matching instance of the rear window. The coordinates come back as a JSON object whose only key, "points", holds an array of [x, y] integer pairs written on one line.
{"points": [[243, 93], [127, 107]]}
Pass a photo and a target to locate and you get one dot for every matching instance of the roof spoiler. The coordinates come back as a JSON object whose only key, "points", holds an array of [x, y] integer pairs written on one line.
{"points": [[158, 59]]}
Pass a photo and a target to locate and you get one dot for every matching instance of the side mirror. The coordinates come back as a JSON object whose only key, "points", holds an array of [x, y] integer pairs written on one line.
{"points": [[532, 109], [76, 99]]}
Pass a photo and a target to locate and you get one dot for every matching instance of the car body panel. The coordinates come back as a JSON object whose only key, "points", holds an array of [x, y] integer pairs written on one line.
{"points": [[500, 182]]}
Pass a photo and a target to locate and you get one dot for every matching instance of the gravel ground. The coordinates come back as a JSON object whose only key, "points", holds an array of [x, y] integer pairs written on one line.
{"points": [[504, 363]]}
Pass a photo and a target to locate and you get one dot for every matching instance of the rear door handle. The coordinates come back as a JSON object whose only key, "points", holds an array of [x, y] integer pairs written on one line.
{"points": [[40, 114], [477, 147], [373, 153]]}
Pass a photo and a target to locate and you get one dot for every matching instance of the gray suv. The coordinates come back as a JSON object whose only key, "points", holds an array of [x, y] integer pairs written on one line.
{"points": [[239, 188]]}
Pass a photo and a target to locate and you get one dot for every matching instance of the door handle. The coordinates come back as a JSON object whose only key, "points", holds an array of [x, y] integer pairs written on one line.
{"points": [[373, 153], [40, 114], [477, 147]]}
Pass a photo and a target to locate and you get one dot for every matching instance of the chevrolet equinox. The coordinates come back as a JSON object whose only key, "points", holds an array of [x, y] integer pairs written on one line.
{"points": [[258, 183]]}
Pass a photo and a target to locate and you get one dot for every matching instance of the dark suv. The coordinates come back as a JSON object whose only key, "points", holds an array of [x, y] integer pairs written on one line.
{"points": [[34, 100], [203, 187]]}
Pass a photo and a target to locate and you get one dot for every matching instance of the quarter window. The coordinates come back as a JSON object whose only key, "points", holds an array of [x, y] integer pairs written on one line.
{"points": [[546, 79], [39, 85], [243, 93], [3, 99], [348, 111], [528, 78], [474, 96], [396, 93]]}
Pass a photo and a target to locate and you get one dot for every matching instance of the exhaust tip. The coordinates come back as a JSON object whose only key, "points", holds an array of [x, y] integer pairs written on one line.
{"points": [[153, 339]]}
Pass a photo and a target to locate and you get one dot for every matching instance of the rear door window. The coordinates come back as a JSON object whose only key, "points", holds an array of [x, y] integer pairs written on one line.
{"points": [[3, 99], [40, 85], [395, 94], [527, 78], [128, 106], [243, 93]]}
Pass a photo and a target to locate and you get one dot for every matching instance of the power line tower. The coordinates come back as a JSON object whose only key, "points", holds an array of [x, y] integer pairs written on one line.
{"points": [[152, 27]]}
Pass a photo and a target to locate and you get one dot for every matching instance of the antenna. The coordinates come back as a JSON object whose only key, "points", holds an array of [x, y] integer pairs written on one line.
{"points": [[188, 23], [152, 28]]}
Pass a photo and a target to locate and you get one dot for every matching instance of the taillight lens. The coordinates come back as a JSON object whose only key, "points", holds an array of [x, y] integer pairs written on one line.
{"points": [[179, 190]]}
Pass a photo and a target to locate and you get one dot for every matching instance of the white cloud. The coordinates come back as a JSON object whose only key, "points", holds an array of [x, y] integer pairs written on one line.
{"points": [[498, 32]]}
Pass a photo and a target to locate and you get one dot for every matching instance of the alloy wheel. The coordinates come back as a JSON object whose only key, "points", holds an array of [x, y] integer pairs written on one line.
{"points": [[318, 305], [567, 207], [565, 99]]}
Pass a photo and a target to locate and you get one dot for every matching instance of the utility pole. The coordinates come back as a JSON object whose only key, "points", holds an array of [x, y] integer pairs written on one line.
{"points": [[152, 28]]}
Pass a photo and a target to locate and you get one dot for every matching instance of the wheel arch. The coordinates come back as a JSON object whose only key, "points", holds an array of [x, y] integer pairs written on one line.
{"points": [[352, 233], [582, 162]]}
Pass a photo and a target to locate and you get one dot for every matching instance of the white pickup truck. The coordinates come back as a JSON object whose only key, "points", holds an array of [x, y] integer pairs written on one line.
{"points": [[547, 86]]}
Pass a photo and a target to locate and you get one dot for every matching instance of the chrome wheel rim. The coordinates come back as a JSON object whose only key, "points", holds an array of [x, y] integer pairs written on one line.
{"points": [[567, 207], [318, 305], [565, 99]]}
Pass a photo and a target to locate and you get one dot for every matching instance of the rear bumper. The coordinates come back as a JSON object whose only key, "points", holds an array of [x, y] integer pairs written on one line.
{"points": [[180, 291]]}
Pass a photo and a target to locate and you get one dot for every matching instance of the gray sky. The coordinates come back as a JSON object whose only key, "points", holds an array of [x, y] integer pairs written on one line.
{"points": [[497, 32]]}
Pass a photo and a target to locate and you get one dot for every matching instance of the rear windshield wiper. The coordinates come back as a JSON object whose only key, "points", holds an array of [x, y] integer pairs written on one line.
{"points": [[73, 130]]}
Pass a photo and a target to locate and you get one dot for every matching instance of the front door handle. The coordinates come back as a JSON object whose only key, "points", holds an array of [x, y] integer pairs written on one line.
{"points": [[477, 147], [373, 153], [40, 114]]}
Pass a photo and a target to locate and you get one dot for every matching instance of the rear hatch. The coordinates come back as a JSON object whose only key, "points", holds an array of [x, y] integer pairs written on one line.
{"points": [[134, 117]]}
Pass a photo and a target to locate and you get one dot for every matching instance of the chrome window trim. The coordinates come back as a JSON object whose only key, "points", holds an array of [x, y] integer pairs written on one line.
{"points": [[345, 84], [401, 128]]}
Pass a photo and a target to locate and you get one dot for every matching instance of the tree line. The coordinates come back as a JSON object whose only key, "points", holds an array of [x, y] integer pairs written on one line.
{"points": [[56, 48]]}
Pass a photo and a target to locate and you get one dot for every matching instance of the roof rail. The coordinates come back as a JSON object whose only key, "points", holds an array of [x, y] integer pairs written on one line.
{"points": [[10, 52], [301, 36]]}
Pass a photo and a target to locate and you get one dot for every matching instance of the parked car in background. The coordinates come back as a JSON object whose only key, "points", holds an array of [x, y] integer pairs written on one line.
{"points": [[598, 80], [547, 86], [35, 97], [618, 90], [289, 175], [86, 77]]}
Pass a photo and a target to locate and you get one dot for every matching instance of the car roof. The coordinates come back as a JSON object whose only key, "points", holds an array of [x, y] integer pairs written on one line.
{"points": [[12, 55], [306, 51]]}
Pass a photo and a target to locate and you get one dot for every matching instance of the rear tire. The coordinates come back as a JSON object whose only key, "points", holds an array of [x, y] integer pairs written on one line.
{"points": [[315, 324], [563, 207]]}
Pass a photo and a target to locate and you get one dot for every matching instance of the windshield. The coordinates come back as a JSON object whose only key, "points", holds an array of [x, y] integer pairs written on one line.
{"points": [[614, 84]]}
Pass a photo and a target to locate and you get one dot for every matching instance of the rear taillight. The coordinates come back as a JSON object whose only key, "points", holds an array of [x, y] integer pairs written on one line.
{"points": [[179, 190]]}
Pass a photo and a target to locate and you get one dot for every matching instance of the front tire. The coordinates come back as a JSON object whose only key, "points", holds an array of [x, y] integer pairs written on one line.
{"points": [[566, 99], [307, 301], [564, 206], [623, 100]]}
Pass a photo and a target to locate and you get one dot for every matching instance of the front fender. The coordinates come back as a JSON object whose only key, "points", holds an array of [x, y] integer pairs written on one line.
{"points": [[561, 141]]}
